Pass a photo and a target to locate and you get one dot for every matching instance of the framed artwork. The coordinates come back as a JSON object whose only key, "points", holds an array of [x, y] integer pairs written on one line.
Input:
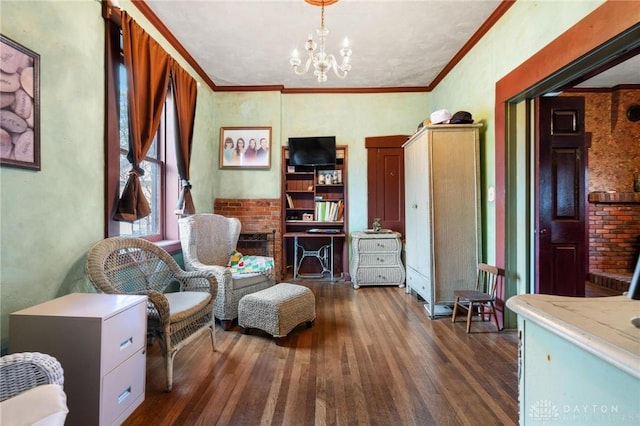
{"points": [[245, 147], [19, 106]]}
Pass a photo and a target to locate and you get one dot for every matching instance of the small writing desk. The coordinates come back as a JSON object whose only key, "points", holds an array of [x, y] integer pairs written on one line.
{"points": [[324, 254]]}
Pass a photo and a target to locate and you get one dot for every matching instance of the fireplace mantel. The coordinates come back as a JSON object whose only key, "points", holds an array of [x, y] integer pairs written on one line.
{"points": [[608, 197]]}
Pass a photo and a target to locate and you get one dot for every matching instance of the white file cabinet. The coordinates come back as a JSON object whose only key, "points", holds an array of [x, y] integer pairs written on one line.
{"points": [[377, 259], [100, 341]]}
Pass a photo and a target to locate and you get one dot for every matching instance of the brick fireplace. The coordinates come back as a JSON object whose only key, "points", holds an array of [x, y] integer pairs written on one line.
{"points": [[613, 161], [256, 215], [614, 238]]}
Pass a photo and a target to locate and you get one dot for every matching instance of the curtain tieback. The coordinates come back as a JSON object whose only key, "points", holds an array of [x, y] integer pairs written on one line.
{"points": [[136, 170], [186, 184]]}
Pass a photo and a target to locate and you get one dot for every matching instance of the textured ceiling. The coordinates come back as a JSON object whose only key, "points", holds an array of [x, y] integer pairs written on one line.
{"points": [[395, 43]]}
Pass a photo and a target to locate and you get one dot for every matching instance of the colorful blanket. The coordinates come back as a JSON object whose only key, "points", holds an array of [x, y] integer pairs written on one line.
{"points": [[241, 264]]}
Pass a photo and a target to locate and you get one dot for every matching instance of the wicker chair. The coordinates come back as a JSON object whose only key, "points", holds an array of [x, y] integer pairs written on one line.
{"points": [[207, 241], [175, 316], [20, 374]]}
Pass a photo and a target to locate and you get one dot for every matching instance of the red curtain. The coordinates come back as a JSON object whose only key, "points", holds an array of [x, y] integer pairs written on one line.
{"points": [[148, 73], [185, 94]]}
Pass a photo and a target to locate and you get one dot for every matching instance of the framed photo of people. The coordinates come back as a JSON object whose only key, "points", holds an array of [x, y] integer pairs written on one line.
{"points": [[245, 147], [20, 106]]}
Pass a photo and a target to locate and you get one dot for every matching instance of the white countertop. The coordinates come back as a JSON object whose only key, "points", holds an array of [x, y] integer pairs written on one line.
{"points": [[600, 325]]}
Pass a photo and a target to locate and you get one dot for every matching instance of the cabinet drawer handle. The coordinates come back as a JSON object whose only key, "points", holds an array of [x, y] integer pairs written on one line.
{"points": [[125, 343], [124, 395]]}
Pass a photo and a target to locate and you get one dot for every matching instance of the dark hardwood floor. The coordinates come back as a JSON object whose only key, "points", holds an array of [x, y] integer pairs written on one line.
{"points": [[372, 358]]}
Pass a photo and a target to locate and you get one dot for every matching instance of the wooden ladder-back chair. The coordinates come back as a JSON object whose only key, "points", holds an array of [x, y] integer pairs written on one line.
{"points": [[180, 306], [483, 297]]}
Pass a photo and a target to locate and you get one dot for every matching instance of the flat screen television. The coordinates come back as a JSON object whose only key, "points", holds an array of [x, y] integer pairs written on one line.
{"points": [[312, 151]]}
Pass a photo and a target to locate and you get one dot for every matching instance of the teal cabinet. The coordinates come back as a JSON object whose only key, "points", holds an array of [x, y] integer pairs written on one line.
{"points": [[579, 360]]}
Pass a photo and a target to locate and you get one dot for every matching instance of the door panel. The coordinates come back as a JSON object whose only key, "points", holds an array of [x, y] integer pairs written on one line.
{"points": [[566, 163], [385, 181], [562, 232], [390, 183], [417, 206]]}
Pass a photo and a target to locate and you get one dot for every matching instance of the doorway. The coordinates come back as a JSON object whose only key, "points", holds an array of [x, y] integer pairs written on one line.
{"points": [[561, 237], [514, 129]]}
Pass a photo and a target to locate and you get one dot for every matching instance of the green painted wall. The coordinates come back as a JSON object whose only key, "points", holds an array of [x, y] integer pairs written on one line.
{"points": [[526, 28], [49, 219], [247, 109], [349, 117], [352, 118]]}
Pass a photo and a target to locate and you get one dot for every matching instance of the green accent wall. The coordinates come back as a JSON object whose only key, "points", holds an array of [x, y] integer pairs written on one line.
{"points": [[48, 219], [524, 29]]}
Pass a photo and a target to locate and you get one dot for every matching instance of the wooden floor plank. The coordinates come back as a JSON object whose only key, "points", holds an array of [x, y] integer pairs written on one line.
{"points": [[372, 357]]}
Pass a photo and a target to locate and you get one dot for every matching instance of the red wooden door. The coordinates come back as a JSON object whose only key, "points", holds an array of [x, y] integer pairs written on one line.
{"points": [[562, 263], [385, 181]]}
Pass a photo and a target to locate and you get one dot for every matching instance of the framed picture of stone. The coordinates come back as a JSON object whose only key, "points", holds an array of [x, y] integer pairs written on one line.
{"points": [[245, 147], [19, 106]]}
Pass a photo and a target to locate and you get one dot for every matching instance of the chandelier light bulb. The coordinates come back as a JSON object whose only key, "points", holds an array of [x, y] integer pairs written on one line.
{"points": [[295, 60], [318, 57]]}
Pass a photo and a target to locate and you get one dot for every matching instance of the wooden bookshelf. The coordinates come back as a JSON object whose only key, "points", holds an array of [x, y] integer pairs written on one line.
{"points": [[315, 197]]}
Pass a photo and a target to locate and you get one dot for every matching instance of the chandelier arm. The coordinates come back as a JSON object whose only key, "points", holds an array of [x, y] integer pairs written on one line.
{"points": [[337, 68], [320, 60], [307, 65]]}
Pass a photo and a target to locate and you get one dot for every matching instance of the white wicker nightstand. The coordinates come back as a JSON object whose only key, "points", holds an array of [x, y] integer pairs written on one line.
{"points": [[377, 259]]}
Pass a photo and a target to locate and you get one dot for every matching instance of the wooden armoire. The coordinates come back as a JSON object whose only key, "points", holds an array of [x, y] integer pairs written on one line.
{"points": [[442, 213]]}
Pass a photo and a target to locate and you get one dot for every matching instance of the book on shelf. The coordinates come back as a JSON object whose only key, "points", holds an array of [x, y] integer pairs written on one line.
{"points": [[290, 201], [340, 210], [329, 211]]}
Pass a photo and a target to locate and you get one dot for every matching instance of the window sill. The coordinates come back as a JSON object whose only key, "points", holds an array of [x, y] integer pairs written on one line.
{"points": [[172, 246]]}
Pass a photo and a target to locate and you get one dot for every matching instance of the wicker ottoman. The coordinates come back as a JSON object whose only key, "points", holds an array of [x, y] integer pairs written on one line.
{"points": [[277, 310]]}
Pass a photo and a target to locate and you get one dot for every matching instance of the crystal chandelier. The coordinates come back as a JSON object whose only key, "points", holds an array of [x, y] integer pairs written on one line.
{"points": [[322, 62]]}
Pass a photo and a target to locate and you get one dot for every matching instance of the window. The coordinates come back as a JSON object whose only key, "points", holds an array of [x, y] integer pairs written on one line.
{"points": [[152, 165], [160, 181]]}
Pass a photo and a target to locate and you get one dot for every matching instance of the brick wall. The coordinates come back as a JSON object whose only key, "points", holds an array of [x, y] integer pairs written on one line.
{"points": [[614, 154], [614, 237], [256, 215], [614, 159]]}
